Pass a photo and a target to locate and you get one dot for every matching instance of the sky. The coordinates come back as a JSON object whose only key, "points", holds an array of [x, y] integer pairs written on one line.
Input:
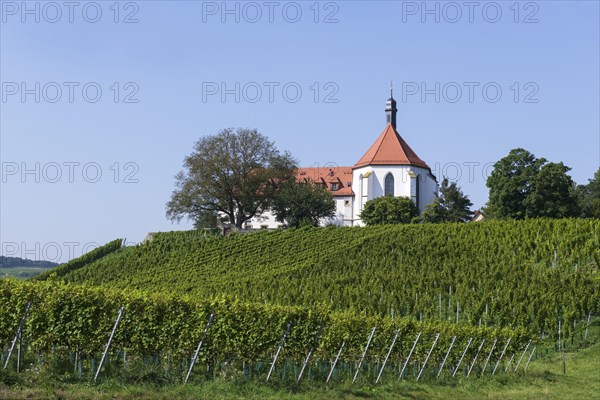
{"points": [[101, 101]]}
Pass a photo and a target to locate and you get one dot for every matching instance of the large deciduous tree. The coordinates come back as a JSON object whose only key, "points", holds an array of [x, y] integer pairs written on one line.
{"points": [[234, 173], [589, 197], [511, 182], [301, 203], [553, 194], [451, 205], [389, 210], [523, 186]]}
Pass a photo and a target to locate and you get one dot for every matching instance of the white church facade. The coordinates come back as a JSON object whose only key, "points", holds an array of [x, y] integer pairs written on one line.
{"points": [[389, 167]]}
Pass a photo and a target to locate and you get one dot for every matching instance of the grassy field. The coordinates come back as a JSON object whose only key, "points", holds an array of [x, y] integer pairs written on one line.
{"points": [[544, 380], [21, 272]]}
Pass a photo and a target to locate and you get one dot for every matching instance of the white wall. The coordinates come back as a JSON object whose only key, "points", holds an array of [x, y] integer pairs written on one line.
{"points": [[343, 216], [343, 212], [264, 221], [404, 185]]}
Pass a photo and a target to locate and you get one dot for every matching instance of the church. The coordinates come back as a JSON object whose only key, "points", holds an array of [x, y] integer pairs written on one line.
{"points": [[389, 167]]}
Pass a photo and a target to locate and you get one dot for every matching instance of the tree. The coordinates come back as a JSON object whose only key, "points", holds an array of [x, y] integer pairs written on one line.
{"points": [[589, 197], [389, 210], [300, 203], [522, 186], [510, 184], [207, 220], [553, 194], [234, 173], [451, 205]]}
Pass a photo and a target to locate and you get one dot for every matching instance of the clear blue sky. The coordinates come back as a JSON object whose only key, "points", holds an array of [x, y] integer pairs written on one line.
{"points": [[543, 56]]}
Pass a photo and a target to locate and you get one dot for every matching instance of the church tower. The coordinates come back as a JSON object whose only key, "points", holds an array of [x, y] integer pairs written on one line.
{"points": [[391, 167], [391, 110]]}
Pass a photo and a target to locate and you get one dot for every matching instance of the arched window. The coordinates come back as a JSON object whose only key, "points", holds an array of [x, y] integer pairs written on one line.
{"points": [[389, 184], [360, 192], [417, 197]]}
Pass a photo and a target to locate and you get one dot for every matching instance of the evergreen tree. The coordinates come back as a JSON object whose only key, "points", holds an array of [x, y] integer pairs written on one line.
{"points": [[451, 205]]}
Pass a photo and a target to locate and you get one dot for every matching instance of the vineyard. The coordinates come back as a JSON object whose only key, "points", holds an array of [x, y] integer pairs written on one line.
{"points": [[374, 304], [531, 273], [77, 320]]}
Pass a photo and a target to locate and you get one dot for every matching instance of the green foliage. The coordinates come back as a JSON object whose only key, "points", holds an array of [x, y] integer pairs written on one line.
{"points": [[553, 195], [522, 186], [82, 261], [452, 205], [511, 183], [389, 210], [544, 379], [80, 317], [589, 197], [16, 262], [303, 203], [232, 172], [503, 273]]}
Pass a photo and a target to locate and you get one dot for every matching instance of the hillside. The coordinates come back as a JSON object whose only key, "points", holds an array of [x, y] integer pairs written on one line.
{"points": [[23, 268], [17, 262], [500, 273]]}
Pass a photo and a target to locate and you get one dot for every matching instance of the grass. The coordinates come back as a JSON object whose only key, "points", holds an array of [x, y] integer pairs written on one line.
{"points": [[21, 272], [544, 379]]}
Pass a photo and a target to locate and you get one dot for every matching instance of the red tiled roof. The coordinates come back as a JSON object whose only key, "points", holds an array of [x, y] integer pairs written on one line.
{"points": [[328, 175], [390, 149]]}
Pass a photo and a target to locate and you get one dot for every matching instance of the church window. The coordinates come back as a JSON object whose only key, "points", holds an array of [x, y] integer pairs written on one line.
{"points": [[389, 184], [417, 191]]}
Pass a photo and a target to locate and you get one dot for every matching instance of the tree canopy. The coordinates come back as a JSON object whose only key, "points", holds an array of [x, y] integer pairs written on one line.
{"points": [[301, 203], [451, 205], [235, 172], [553, 194], [589, 197], [389, 210], [523, 186], [511, 182]]}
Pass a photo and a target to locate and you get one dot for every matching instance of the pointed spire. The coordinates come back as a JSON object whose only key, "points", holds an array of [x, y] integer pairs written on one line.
{"points": [[390, 108]]}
